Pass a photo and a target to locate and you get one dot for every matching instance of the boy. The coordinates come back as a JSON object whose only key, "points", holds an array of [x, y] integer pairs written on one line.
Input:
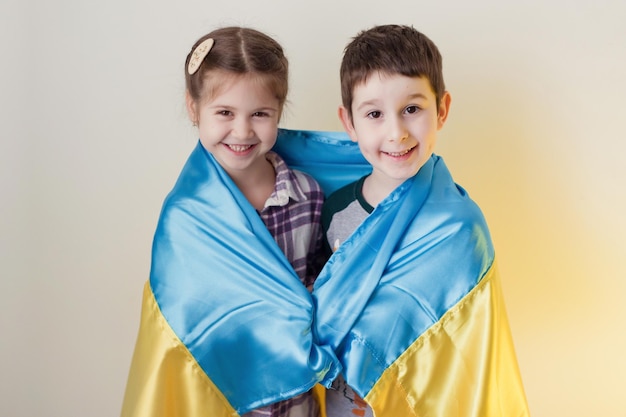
{"points": [[397, 352], [394, 102]]}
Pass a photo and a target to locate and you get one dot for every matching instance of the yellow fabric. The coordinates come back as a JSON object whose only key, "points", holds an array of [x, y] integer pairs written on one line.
{"points": [[463, 366], [319, 392], [164, 379]]}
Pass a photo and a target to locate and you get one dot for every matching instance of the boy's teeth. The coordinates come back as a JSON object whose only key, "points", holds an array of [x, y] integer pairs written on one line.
{"points": [[399, 153]]}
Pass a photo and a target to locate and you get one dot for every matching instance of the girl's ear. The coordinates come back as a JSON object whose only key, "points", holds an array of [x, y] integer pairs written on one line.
{"points": [[191, 108], [346, 121], [444, 109]]}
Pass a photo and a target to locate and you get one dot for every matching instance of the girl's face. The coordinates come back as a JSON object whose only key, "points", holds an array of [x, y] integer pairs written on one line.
{"points": [[238, 124]]}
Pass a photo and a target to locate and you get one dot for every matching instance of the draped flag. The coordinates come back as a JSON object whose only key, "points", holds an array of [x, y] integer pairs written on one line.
{"points": [[409, 308], [226, 322]]}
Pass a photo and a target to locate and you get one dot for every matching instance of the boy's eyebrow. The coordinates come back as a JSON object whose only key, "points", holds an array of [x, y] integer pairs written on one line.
{"points": [[374, 101], [367, 103], [418, 95]]}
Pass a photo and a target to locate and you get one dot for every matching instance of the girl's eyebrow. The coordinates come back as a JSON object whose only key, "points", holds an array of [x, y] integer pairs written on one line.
{"points": [[227, 107], [266, 109]]}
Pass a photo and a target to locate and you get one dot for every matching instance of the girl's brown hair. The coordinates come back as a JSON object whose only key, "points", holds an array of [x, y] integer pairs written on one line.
{"points": [[239, 51]]}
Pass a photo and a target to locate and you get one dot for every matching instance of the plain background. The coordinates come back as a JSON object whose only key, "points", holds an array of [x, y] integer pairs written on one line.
{"points": [[94, 133]]}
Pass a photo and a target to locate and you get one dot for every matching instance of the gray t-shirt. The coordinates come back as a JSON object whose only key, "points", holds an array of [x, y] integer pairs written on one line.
{"points": [[342, 213]]}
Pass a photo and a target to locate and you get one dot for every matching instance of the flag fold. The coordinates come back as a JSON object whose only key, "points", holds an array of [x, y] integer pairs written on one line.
{"points": [[409, 308]]}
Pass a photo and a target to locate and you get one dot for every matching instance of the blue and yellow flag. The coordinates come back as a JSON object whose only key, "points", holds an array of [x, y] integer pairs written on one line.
{"points": [[409, 308]]}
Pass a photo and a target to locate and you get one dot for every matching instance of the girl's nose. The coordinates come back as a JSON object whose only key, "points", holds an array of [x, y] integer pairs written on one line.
{"points": [[242, 128]]}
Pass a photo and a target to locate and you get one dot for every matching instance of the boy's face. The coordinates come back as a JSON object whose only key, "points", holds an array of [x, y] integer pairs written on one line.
{"points": [[395, 121]]}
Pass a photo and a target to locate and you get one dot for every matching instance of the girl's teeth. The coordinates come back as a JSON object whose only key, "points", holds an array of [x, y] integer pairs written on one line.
{"points": [[239, 148]]}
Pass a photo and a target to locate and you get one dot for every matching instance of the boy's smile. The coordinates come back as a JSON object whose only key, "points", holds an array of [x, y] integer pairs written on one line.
{"points": [[403, 154], [395, 121]]}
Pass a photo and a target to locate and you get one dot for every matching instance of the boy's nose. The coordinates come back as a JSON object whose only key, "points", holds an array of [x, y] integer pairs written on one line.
{"points": [[398, 131]]}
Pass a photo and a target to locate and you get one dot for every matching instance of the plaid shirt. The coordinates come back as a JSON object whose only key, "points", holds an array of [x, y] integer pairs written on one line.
{"points": [[292, 215]]}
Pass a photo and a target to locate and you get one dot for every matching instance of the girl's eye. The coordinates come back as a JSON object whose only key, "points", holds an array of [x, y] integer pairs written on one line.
{"points": [[412, 109], [374, 114], [224, 113], [260, 114]]}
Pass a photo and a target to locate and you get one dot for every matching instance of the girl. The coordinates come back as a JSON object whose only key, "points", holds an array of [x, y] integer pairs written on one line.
{"points": [[235, 96], [237, 82], [226, 318]]}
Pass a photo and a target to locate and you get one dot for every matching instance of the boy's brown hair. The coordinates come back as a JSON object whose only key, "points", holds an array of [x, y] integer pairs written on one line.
{"points": [[390, 49]]}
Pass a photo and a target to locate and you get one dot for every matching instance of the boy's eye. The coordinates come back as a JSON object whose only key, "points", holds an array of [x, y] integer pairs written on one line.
{"points": [[374, 114], [412, 109]]}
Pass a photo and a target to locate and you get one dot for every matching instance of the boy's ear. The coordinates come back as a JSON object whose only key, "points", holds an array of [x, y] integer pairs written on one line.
{"points": [[444, 109], [346, 121], [191, 108]]}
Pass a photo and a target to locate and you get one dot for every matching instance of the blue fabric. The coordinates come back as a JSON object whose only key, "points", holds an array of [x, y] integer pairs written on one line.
{"points": [[231, 296], [330, 157], [421, 250]]}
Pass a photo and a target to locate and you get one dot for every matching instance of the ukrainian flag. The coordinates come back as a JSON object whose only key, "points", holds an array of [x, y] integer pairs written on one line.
{"points": [[226, 323], [411, 304], [409, 308]]}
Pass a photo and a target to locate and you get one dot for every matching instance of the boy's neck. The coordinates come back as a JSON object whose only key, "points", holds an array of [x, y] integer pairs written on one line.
{"points": [[376, 189]]}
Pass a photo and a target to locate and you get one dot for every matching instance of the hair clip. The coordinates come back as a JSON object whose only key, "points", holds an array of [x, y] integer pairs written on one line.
{"points": [[198, 55]]}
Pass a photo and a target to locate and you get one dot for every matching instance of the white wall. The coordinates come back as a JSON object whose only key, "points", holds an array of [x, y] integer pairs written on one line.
{"points": [[93, 135]]}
